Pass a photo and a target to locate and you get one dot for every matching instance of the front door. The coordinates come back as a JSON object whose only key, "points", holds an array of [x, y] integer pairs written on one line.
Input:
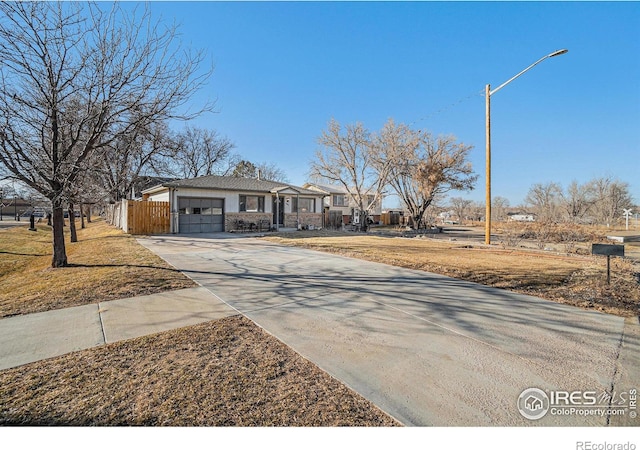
{"points": [[278, 211]]}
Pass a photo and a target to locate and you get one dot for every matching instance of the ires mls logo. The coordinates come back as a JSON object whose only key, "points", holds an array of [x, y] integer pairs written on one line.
{"points": [[534, 403]]}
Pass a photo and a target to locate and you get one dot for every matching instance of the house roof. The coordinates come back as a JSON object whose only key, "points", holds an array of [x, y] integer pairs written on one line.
{"points": [[327, 188], [331, 188], [233, 184]]}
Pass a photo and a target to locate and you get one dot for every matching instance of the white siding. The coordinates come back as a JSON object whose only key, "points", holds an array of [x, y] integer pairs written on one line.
{"points": [[159, 197], [231, 198]]}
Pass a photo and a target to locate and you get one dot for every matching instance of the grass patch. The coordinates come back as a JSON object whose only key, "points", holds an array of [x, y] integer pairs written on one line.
{"points": [[223, 373], [105, 264], [575, 280]]}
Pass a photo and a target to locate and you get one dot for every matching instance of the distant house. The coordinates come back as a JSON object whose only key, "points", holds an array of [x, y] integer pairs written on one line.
{"points": [[216, 203], [521, 217], [339, 208]]}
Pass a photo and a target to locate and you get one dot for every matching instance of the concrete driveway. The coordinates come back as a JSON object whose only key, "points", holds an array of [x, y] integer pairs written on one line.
{"points": [[427, 349]]}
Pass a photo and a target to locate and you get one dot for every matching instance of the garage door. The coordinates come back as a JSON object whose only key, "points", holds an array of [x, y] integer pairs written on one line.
{"points": [[201, 215]]}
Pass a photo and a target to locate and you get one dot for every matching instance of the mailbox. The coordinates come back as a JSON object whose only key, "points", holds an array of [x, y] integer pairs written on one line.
{"points": [[607, 250]]}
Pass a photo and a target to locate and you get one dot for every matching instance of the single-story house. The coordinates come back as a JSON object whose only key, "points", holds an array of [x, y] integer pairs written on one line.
{"points": [[216, 203], [340, 208]]}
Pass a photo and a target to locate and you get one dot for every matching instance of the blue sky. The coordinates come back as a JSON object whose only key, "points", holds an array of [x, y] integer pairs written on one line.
{"points": [[284, 69]]}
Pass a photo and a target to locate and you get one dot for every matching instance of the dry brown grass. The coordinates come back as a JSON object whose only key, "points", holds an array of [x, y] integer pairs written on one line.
{"points": [[222, 373], [106, 264], [575, 280]]}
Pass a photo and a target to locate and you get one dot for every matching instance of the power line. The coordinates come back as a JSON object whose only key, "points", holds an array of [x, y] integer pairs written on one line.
{"points": [[448, 107]]}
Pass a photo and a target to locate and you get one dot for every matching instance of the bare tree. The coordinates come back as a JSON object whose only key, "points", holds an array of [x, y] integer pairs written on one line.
{"points": [[477, 211], [198, 152], [461, 206], [578, 201], [74, 80], [612, 196], [117, 168], [346, 158], [421, 167], [271, 172], [499, 206], [545, 200], [396, 149]]}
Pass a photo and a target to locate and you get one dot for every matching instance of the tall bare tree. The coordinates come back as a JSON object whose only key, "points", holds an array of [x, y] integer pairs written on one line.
{"points": [[76, 78], [612, 196], [545, 200], [346, 158], [461, 206], [199, 151], [578, 201], [119, 166], [420, 167], [499, 206]]}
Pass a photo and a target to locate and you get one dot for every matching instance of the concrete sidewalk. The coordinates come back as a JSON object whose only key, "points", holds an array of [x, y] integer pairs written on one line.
{"points": [[33, 337]]}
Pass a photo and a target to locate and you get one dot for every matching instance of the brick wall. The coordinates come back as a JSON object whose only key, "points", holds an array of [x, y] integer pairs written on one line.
{"points": [[231, 219], [306, 219]]}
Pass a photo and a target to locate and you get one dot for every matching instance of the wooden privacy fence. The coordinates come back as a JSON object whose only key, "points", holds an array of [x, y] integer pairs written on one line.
{"points": [[136, 217]]}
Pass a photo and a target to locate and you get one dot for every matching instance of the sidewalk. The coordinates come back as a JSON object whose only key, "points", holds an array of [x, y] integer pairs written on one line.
{"points": [[33, 337]]}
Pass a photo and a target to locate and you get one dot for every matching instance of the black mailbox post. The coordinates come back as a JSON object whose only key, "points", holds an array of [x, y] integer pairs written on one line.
{"points": [[608, 250]]}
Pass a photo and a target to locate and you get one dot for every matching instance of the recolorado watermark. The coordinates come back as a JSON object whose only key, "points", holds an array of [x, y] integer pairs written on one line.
{"points": [[534, 404], [588, 445]]}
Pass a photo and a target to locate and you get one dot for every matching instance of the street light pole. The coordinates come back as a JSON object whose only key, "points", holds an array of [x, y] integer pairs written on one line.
{"points": [[488, 94], [487, 214]]}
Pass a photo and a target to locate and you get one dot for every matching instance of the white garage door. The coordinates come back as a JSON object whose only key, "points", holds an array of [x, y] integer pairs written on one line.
{"points": [[201, 215]]}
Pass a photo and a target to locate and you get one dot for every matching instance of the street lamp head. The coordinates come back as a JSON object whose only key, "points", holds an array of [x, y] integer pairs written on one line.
{"points": [[558, 53]]}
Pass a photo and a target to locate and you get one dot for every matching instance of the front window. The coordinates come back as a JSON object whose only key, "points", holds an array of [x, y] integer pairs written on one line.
{"points": [[251, 203], [303, 205], [340, 200]]}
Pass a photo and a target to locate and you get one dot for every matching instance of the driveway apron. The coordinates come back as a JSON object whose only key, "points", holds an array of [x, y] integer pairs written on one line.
{"points": [[427, 349]]}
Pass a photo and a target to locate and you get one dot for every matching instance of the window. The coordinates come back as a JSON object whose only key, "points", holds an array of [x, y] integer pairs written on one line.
{"points": [[305, 205], [340, 200], [251, 203]]}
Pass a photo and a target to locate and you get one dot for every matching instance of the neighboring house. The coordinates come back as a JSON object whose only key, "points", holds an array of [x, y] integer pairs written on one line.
{"points": [[339, 208], [215, 203], [521, 217]]}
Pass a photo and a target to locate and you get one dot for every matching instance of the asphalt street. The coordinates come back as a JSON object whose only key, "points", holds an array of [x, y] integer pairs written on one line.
{"points": [[427, 349]]}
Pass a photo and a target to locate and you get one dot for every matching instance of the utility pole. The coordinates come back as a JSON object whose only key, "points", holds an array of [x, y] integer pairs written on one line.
{"points": [[488, 94]]}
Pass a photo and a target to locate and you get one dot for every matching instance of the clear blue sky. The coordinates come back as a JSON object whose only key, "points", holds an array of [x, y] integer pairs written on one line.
{"points": [[284, 69]]}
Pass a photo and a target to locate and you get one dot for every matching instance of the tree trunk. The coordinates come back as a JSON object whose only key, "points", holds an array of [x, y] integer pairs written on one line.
{"points": [[88, 213], [82, 225], [364, 221], [72, 223], [59, 250]]}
